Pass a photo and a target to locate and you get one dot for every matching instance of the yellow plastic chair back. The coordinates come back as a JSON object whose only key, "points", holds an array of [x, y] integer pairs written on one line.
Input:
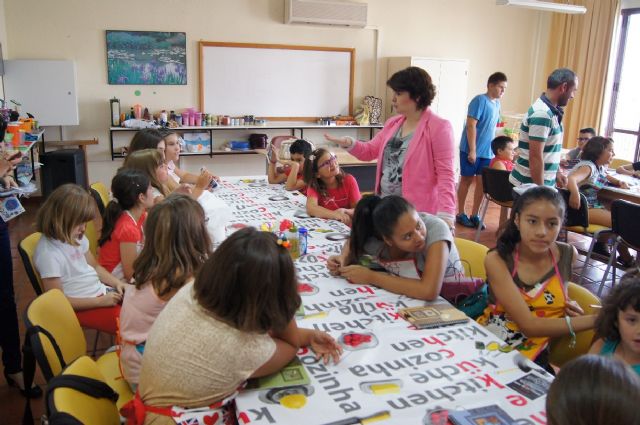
{"points": [[85, 408], [560, 351], [53, 312], [109, 365], [92, 236], [616, 162], [472, 255], [102, 191], [26, 249]]}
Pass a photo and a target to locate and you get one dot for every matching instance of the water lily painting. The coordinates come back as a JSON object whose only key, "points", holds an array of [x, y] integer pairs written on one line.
{"points": [[147, 57]]}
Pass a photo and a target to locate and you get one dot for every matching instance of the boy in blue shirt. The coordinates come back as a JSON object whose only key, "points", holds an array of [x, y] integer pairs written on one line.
{"points": [[475, 147]]}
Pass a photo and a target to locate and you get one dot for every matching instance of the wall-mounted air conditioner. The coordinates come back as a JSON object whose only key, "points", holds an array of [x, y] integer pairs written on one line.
{"points": [[546, 6], [326, 12]]}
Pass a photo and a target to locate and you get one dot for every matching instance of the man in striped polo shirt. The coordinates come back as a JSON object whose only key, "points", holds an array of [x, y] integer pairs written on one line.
{"points": [[540, 141]]}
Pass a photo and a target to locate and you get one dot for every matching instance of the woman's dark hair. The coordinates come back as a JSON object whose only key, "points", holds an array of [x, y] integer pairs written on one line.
{"points": [[510, 236], [126, 187], [592, 150], [176, 244], [499, 143], [302, 147], [625, 294], [377, 217], [594, 390], [415, 81], [147, 138], [311, 169], [249, 282]]}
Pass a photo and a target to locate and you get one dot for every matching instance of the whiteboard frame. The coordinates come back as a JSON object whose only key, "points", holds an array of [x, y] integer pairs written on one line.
{"points": [[203, 45]]}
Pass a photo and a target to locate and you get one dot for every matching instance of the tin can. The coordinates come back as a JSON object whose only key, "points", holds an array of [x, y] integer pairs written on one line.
{"points": [[302, 240]]}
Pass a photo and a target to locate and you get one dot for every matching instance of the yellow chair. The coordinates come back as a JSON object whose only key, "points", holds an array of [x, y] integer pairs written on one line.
{"points": [[52, 312], [616, 162], [560, 351], [472, 255], [26, 249], [92, 236], [63, 398], [102, 198]]}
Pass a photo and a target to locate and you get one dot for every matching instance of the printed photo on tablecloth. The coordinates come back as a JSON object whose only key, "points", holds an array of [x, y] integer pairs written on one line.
{"points": [[401, 375]]}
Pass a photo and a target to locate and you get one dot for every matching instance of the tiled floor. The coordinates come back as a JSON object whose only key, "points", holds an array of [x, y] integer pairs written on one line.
{"points": [[12, 404]]}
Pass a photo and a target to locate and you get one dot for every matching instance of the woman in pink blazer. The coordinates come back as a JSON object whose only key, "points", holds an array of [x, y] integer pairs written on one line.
{"points": [[415, 149]]}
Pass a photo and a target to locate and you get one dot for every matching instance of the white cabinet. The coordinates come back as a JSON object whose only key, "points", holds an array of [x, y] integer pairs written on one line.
{"points": [[450, 76]]}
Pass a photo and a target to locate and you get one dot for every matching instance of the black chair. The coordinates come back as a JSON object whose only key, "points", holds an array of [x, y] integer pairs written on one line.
{"points": [[497, 189], [624, 216], [577, 221]]}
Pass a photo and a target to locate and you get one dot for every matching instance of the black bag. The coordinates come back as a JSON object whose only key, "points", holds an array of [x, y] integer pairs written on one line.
{"points": [[258, 141]]}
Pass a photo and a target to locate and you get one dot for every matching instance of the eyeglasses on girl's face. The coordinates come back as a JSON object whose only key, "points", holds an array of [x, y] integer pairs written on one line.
{"points": [[332, 160]]}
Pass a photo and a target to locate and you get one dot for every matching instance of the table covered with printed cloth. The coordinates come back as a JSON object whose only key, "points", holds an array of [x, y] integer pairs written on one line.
{"points": [[390, 372]]}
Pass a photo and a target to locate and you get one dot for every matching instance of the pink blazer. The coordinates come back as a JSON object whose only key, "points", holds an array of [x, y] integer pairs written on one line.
{"points": [[427, 179]]}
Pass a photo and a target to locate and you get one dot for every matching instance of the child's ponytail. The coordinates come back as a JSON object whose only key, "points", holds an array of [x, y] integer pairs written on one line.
{"points": [[126, 187], [362, 226]]}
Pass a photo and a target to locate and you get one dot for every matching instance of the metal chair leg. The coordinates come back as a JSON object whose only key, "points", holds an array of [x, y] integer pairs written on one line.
{"points": [[610, 264], [587, 259], [95, 343], [484, 205]]}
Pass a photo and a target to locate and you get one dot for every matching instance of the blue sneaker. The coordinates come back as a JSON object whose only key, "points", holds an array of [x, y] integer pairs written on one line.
{"points": [[475, 220], [463, 219]]}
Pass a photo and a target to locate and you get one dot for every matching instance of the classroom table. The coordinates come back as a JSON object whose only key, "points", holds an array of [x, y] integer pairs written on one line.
{"points": [[608, 194], [389, 370]]}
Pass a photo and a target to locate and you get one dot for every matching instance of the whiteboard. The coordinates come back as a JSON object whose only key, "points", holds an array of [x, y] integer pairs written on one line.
{"points": [[276, 81], [45, 88]]}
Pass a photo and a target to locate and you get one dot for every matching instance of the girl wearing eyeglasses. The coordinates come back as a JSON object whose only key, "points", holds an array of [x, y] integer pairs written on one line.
{"points": [[331, 193]]}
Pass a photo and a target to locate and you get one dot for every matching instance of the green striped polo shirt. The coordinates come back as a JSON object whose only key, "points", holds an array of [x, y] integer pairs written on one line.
{"points": [[541, 126]]}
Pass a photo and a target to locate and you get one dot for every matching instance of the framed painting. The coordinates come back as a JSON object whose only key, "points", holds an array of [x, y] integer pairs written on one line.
{"points": [[146, 57]]}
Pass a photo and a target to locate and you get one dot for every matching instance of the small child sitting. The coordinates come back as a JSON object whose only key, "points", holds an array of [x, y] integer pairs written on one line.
{"points": [[617, 324], [503, 148], [291, 176], [63, 259]]}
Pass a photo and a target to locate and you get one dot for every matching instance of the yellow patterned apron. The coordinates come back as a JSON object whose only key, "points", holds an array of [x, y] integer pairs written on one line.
{"points": [[545, 300]]}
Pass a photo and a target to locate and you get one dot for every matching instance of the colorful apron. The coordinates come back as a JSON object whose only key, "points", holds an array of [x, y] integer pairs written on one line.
{"points": [[219, 413], [545, 300]]}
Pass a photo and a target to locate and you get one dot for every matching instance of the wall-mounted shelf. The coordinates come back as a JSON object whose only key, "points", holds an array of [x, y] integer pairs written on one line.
{"points": [[292, 127]]}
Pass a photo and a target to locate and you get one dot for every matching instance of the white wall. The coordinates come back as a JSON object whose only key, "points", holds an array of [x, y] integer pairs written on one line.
{"points": [[630, 4], [491, 37]]}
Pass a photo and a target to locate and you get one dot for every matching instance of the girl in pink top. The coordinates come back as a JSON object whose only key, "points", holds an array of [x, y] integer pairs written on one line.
{"points": [[331, 193], [122, 238], [177, 245]]}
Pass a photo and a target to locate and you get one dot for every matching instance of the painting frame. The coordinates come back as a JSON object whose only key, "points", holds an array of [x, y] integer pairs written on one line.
{"points": [[146, 57]]}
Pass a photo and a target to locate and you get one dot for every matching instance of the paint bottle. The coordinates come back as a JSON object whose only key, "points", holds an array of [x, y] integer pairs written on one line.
{"points": [[294, 241]]}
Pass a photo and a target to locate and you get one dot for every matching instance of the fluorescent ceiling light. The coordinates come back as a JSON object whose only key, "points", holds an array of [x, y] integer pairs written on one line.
{"points": [[544, 5]]}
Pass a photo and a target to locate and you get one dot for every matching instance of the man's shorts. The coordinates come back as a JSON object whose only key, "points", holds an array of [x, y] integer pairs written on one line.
{"points": [[469, 170]]}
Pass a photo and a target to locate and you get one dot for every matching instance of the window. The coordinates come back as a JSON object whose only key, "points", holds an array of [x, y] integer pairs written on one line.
{"points": [[624, 117]]}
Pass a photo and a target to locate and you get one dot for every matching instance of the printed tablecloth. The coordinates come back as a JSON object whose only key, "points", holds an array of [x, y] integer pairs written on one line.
{"points": [[389, 369]]}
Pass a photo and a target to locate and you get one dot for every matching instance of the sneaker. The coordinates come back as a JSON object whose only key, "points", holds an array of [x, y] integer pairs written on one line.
{"points": [[601, 248], [626, 264], [463, 219], [475, 220]]}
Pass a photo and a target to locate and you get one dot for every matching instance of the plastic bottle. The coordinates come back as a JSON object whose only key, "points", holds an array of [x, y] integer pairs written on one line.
{"points": [[163, 117], [302, 240], [294, 241]]}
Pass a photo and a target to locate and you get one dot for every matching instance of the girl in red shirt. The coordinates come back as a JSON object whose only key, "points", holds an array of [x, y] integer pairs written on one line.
{"points": [[124, 216], [331, 193]]}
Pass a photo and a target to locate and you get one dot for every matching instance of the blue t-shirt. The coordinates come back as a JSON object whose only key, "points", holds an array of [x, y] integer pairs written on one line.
{"points": [[487, 112], [609, 348]]}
